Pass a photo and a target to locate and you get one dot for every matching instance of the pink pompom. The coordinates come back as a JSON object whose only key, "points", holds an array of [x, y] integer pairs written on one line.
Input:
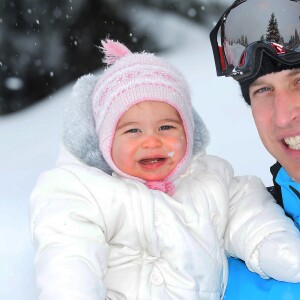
{"points": [[113, 51]]}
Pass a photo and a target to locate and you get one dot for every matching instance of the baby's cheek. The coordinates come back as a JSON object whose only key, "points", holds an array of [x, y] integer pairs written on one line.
{"points": [[178, 147], [130, 144]]}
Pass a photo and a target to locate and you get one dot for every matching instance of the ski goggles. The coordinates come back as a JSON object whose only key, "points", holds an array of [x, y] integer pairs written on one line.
{"points": [[248, 29]]}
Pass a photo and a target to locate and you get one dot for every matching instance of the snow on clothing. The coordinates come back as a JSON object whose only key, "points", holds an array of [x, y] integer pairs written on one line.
{"points": [[245, 285], [103, 236]]}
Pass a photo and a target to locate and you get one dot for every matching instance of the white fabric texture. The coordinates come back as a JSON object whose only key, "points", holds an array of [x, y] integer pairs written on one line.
{"points": [[105, 237]]}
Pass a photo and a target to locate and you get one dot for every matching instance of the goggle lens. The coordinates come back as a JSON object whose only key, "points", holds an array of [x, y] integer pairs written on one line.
{"points": [[275, 26]]}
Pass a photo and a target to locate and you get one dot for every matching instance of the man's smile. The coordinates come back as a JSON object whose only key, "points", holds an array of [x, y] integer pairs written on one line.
{"points": [[293, 142]]}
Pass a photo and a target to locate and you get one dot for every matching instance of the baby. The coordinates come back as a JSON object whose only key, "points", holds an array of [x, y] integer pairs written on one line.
{"points": [[136, 209]]}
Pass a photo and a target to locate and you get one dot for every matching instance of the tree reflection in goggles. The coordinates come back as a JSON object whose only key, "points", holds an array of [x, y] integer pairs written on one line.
{"points": [[249, 28]]}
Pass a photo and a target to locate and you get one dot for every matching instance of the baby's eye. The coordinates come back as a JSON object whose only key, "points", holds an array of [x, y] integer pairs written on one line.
{"points": [[133, 130], [166, 127]]}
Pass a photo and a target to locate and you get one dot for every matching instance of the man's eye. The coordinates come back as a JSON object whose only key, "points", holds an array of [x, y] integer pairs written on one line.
{"points": [[262, 90], [166, 127]]}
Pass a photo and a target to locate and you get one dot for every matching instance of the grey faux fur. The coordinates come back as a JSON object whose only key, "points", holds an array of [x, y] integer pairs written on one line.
{"points": [[79, 135]]}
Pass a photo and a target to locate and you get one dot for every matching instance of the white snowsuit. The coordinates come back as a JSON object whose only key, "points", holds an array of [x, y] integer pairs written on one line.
{"points": [[100, 236]]}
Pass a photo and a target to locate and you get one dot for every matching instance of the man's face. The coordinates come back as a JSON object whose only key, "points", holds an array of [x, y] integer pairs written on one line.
{"points": [[275, 101]]}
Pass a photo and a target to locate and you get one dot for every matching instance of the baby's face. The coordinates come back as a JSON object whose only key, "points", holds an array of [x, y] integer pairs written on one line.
{"points": [[149, 141]]}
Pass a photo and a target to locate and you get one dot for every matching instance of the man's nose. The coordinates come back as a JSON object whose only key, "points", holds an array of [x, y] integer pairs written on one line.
{"points": [[286, 108]]}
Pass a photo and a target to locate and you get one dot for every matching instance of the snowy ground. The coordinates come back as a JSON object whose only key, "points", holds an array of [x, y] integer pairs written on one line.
{"points": [[30, 142]]}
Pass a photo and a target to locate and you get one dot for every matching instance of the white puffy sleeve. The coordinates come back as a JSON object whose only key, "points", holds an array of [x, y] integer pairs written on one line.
{"points": [[259, 232], [69, 234]]}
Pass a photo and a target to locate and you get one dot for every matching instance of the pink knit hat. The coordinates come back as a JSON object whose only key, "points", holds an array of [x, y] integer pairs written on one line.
{"points": [[131, 79]]}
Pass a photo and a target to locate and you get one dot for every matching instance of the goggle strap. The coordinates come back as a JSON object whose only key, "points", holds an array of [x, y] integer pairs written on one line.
{"points": [[222, 58], [217, 52]]}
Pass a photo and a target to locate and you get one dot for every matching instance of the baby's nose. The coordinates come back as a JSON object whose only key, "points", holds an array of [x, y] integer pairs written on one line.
{"points": [[152, 141]]}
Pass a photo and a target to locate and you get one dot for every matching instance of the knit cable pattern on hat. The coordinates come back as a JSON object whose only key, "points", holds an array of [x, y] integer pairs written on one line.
{"points": [[130, 79]]}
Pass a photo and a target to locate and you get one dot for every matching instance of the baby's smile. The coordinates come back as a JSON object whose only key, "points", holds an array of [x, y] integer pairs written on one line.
{"points": [[153, 163], [150, 161]]}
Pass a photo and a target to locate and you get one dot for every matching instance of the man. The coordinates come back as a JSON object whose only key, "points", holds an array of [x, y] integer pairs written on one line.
{"points": [[257, 43]]}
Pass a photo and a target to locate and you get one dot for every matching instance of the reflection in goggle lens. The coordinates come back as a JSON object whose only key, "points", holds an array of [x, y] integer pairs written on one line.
{"points": [[281, 27], [250, 28]]}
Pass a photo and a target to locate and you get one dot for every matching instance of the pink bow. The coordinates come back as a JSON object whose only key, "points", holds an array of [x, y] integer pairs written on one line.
{"points": [[163, 186]]}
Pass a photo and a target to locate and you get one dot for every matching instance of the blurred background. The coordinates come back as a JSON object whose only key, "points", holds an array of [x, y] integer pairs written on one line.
{"points": [[46, 44]]}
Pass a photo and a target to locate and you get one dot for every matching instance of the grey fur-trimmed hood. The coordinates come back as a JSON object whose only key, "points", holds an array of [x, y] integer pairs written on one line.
{"points": [[79, 136]]}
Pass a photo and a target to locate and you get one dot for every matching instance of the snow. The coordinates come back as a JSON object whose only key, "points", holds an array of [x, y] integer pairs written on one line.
{"points": [[30, 141]]}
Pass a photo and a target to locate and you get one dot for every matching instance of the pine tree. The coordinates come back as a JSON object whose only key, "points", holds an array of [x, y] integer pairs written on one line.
{"points": [[297, 38], [294, 42], [273, 34]]}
